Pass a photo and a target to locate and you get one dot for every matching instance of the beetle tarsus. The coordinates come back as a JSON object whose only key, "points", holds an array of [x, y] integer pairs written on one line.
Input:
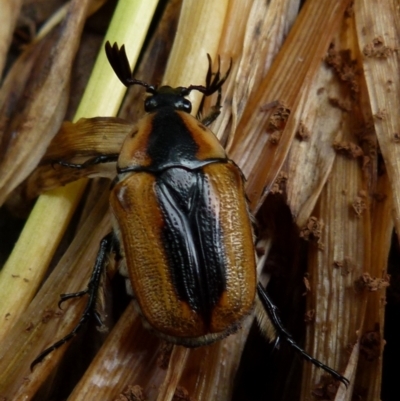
{"points": [[273, 313], [106, 245], [64, 297]]}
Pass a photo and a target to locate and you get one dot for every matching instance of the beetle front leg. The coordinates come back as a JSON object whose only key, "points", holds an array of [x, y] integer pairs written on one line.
{"points": [[106, 246], [92, 161], [213, 85], [273, 313], [214, 112]]}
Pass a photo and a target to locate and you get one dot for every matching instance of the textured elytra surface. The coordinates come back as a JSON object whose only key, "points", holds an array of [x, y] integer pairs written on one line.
{"points": [[171, 280]]}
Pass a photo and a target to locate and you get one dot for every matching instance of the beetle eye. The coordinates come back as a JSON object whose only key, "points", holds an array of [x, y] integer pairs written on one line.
{"points": [[150, 104], [184, 105]]}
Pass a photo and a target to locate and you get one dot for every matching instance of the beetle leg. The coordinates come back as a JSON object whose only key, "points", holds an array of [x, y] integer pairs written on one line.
{"points": [[92, 161], [273, 313], [106, 246], [214, 112], [216, 109]]}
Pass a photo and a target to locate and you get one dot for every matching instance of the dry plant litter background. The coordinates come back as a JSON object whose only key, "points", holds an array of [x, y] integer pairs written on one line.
{"points": [[309, 114]]}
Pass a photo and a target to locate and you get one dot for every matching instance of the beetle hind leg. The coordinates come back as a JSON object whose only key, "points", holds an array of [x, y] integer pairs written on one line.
{"points": [[106, 246], [273, 314]]}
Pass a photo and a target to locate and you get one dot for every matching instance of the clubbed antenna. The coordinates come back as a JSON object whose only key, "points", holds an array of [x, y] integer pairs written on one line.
{"points": [[212, 85], [120, 64]]}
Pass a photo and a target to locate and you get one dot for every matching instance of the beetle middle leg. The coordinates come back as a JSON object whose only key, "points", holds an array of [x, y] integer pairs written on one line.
{"points": [[90, 162], [107, 245]]}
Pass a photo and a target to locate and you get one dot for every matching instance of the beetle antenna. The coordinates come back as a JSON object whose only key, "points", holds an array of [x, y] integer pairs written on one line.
{"points": [[212, 85], [120, 64]]}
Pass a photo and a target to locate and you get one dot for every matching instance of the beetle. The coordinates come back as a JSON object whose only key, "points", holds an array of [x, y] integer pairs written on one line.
{"points": [[182, 228]]}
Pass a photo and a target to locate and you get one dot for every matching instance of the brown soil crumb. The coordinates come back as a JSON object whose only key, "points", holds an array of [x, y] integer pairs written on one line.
{"points": [[359, 204], [309, 316], [349, 149], [275, 137], [381, 114], [326, 390], [279, 186], [344, 105], [377, 49], [29, 327], [277, 121], [303, 133], [344, 66], [279, 118], [346, 266], [132, 393], [371, 344], [47, 315], [349, 10], [312, 230], [181, 394], [369, 283], [306, 282], [165, 354]]}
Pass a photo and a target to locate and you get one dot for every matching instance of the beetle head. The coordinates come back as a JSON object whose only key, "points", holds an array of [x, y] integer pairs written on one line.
{"points": [[165, 96]]}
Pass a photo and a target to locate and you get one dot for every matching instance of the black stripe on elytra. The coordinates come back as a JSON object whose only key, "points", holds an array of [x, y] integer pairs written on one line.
{"points": [[192, 238]]}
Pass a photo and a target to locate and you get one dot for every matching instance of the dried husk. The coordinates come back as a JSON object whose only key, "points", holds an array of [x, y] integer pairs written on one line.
{"points": [[8, 20], [321, 160]]}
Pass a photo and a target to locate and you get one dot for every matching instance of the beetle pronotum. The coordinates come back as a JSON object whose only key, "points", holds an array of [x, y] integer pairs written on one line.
{"points": [[181, 224]]}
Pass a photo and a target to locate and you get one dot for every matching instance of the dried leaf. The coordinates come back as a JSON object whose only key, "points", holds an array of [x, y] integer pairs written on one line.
{"points": [[38, 120]]}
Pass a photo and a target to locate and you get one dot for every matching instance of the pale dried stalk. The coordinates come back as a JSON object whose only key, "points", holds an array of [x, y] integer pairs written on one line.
{"points": [[378, 35], [46, 98], [199, 29], [311, 156], [254, 34], [293, 67], [8, 20], [355, 236], [128, 352], [42, 322], [215, 367], [369, 373], [60, 15], [339, 309], [36, 249], [175, 368]]}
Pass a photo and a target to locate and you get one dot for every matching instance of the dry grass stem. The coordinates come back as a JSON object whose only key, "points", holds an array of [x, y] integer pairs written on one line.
{"points": [[8, 20]]}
